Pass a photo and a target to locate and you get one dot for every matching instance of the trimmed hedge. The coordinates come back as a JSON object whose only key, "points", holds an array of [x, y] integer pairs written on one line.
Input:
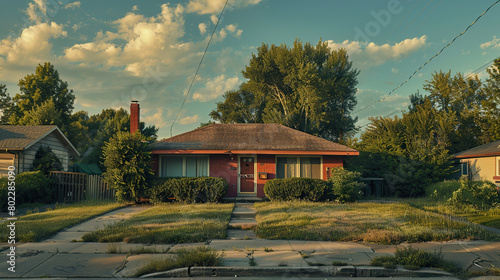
{"points": [[191, 189], [296, 188], [30, 187]]}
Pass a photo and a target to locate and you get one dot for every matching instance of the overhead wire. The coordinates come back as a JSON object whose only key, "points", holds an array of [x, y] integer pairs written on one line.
{"points": [[429, 60], [199, 66]]}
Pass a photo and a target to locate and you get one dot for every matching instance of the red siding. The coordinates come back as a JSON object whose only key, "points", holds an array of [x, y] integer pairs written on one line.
{"points": [[265, 163], [155, 164], [331, 162], [227, 168]]}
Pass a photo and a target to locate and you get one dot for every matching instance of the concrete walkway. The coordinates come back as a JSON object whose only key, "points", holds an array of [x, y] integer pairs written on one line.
{"points": [[59, 257], [242, 223]]}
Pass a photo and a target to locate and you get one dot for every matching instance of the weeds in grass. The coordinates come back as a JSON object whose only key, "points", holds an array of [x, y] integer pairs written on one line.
{"points": [[201, 256], [495, 270], [169, 223], [414, 259], [267, 249], [303, 255]]}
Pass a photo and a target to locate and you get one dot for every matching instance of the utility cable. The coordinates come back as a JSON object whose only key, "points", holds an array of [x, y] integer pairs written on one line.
{"points": [[199, 66], [427, 62]]}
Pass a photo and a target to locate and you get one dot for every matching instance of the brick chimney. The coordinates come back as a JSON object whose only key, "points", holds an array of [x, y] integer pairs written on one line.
{"points": [[134, 116]]}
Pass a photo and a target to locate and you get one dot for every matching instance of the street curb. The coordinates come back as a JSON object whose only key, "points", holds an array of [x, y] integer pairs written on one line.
{"points": [[313, 271]]}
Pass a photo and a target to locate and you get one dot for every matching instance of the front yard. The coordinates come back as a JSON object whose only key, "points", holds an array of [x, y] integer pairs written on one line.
{"points": [[38, 226], [169, 223], [386, 223]]}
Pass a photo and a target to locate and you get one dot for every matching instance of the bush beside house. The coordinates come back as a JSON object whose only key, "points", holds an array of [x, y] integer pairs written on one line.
{"points": [[342, 186], [30, 187], [191, 190]]}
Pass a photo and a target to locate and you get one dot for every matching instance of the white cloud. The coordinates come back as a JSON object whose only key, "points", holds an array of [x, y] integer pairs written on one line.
{"points": [[148, 41], [214, 19], [366, 55], [37, 11], [216, 87], [395, 70], [32, 45], [204, 7], [231, 28], [135, 8], [203, 28], [73, 5], [157, 119], [495, 43], [238, 33], [189, 119]]}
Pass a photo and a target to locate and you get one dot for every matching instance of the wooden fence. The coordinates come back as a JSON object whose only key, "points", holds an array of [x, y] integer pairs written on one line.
{"points": [[73, 187]]}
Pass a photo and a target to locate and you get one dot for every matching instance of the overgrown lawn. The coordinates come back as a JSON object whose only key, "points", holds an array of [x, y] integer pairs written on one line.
{"points": [[389, 223], [38, 226], [169, 223]]}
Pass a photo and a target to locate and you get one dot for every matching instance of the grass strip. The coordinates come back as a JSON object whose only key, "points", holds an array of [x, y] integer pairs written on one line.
{"points": [[38, 226], [391, 223], [201, 256], [169, 223]]}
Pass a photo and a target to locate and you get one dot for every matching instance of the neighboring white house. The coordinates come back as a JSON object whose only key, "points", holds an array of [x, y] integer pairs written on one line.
{"points": [[19, 143], [481, 163]]}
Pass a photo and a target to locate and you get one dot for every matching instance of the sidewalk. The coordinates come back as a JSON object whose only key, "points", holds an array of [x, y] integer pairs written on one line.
{"points": [[59, 257]]}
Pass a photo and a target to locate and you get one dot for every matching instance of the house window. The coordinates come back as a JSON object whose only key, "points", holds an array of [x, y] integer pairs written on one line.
{"points": [[465, 169], [184, 166], [306, 167]]}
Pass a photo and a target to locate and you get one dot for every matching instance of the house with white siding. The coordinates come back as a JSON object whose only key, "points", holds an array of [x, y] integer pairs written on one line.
{"points": [[19, 144]]}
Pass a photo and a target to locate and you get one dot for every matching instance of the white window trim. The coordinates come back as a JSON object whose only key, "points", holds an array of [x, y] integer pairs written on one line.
{"points": [[298, 164], [497, 167], [184, 171], [466, 165]]}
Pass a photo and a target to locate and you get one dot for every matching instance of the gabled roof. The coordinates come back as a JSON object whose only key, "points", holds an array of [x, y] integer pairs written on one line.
{"points": [[21, 137], [486, 150], [250, 137]]}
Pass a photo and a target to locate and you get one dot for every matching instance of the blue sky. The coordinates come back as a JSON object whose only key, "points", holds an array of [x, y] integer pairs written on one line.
{"points": [[114, 51]]}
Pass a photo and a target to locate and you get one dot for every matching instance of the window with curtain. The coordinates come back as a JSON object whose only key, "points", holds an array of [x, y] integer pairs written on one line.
{"points": [[184, 166], [307, 167]]}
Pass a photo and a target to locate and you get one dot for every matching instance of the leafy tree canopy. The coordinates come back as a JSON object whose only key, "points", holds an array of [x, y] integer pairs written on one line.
{"points": [[127, 159], [306, 87]]}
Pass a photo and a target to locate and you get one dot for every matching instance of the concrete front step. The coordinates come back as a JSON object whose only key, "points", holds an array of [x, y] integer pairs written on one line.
{"points": [[243, 212], [245, 223], [240, 234]]}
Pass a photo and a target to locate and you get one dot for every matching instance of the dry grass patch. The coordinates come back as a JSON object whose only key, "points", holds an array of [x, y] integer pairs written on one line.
{"points": [[370, 222], [169, 223]]}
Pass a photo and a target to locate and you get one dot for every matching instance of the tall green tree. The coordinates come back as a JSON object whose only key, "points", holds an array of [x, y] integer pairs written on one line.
{"points": [[490, 121], [463, 96], [306, 87], [5, 104], [127, 159], [37, 89]]}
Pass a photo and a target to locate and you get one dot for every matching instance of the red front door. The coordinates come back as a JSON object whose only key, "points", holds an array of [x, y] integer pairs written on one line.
{"points": [[247, 174]]}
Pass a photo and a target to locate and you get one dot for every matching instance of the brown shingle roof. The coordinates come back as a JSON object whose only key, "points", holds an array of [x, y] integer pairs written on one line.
{"points": [[255, 136], [486, 150], [19, 137]]}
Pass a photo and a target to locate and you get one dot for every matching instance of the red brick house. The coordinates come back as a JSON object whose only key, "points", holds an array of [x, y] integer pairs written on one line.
{"points": [[247, 155]]}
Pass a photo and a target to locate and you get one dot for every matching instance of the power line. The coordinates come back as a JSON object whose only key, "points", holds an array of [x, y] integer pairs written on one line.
{"points": [[199, 66], [479, 69], [437, 54]]}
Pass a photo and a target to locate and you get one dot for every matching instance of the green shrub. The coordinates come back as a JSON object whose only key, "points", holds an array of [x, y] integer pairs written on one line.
{"points": [[296, 188], [480, 194], [345, 185], [442, 191], [46, 160], [30, 187], [195, 189], [414, 259]]}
